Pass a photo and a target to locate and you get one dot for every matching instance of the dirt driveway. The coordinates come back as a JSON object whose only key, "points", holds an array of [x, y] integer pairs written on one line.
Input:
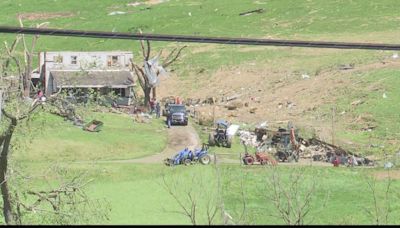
{"points": [[179, 137]]}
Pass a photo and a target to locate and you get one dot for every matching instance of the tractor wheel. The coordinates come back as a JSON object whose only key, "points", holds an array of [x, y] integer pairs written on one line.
{"points": [[248, 161], [205, 160], [229, 142], [211, 140], [263, 162], [291, 158], [187, 161], [168, 162]]}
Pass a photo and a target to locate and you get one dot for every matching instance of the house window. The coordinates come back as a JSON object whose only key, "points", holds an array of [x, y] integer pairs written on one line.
{"points": [[58, 59], [113, 60], [74, 59], [119, 92]]}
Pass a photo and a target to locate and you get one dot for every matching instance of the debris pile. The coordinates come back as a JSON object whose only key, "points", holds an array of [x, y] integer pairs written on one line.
{"points": [[287, 143], [248, 138]]}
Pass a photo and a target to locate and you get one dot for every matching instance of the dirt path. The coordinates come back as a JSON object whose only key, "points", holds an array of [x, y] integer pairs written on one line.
{"points": [[179, 137]]}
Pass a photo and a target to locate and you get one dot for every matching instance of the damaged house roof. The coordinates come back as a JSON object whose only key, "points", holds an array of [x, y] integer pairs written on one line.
{"points": [[92, 79]]}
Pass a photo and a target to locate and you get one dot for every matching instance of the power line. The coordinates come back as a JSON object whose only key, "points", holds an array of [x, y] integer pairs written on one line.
{"points": [[198, 39]]}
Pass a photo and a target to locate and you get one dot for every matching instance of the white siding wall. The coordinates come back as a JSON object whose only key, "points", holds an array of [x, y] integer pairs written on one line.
{"points": [[84, 61]]}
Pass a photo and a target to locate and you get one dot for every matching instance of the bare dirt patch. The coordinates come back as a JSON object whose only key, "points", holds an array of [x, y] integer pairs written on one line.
{"points": [[44, 16], [393, 174], [278, 95]]}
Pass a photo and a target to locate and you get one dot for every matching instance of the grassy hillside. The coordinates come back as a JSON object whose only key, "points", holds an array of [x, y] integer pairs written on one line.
{"points": [[272, 74]]}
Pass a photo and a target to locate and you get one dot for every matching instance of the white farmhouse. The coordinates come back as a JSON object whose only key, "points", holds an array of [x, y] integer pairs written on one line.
{"points": [[102, 71]]}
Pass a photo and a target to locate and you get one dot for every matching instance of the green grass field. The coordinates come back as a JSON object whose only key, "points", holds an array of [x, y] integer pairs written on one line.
{"points": [[120, 138], [137, 195], [135, 191]]}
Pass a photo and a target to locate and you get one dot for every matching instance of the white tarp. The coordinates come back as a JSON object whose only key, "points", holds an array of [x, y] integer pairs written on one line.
{"points": [[232, 129], [151, 69]]}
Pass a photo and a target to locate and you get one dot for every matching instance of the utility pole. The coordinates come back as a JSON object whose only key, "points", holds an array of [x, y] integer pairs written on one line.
{"points": [[333, 121], [213, 114], [1, 102]]}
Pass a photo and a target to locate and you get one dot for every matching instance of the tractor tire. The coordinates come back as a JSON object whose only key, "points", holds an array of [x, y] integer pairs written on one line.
{"points": [[205, 160], [187, 161], [229, 142], [168, 162], [248, 161], [211, 140], [292, 158], [263, 162]]}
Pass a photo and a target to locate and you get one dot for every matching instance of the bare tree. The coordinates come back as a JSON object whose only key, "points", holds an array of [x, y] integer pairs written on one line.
{"points": [[196, 199], [292, 197], [17, 111], [381, 207], [139, 69], [65, 203], [241, 216]]}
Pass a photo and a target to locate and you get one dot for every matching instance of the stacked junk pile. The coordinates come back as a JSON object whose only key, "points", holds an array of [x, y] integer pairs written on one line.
{"points": [[285, 145]]}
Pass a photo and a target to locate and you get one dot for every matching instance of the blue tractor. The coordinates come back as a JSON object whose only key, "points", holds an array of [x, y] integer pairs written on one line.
{"points": [[188, 157]]}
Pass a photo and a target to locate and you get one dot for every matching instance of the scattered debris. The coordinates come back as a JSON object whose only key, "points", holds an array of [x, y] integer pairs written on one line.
{"points": [[368, 128], [287, 145], [357, 102], [155, 2], [388, 165], [232, 129], [116, 13], [232, 97], [384, 95], [261, 10], [346, 66], [376, 146], [134, 4], [305, 76], [234, 105], [395, 56], [93, 126], [253, 110]]}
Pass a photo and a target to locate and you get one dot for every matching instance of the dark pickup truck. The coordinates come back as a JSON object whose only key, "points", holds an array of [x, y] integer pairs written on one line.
{"points": [[177, 114]]}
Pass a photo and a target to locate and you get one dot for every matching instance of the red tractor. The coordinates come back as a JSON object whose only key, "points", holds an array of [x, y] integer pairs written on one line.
{"points": [[262, 157]]}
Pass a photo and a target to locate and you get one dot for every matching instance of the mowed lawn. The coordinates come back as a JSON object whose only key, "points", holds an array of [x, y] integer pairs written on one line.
{"points": [[57, 140]]}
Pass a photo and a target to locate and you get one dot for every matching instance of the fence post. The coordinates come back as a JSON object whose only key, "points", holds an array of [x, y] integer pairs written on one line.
{"points": [[1, 102]]}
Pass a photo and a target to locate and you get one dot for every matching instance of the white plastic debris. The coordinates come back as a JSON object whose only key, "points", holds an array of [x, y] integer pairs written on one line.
{"points": [[232, 129], [116, 13], [134, 4], [395, 56], [388, 165], [248, 138], [305, 76], [384, 95], [263, 124], [190, 14]]}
